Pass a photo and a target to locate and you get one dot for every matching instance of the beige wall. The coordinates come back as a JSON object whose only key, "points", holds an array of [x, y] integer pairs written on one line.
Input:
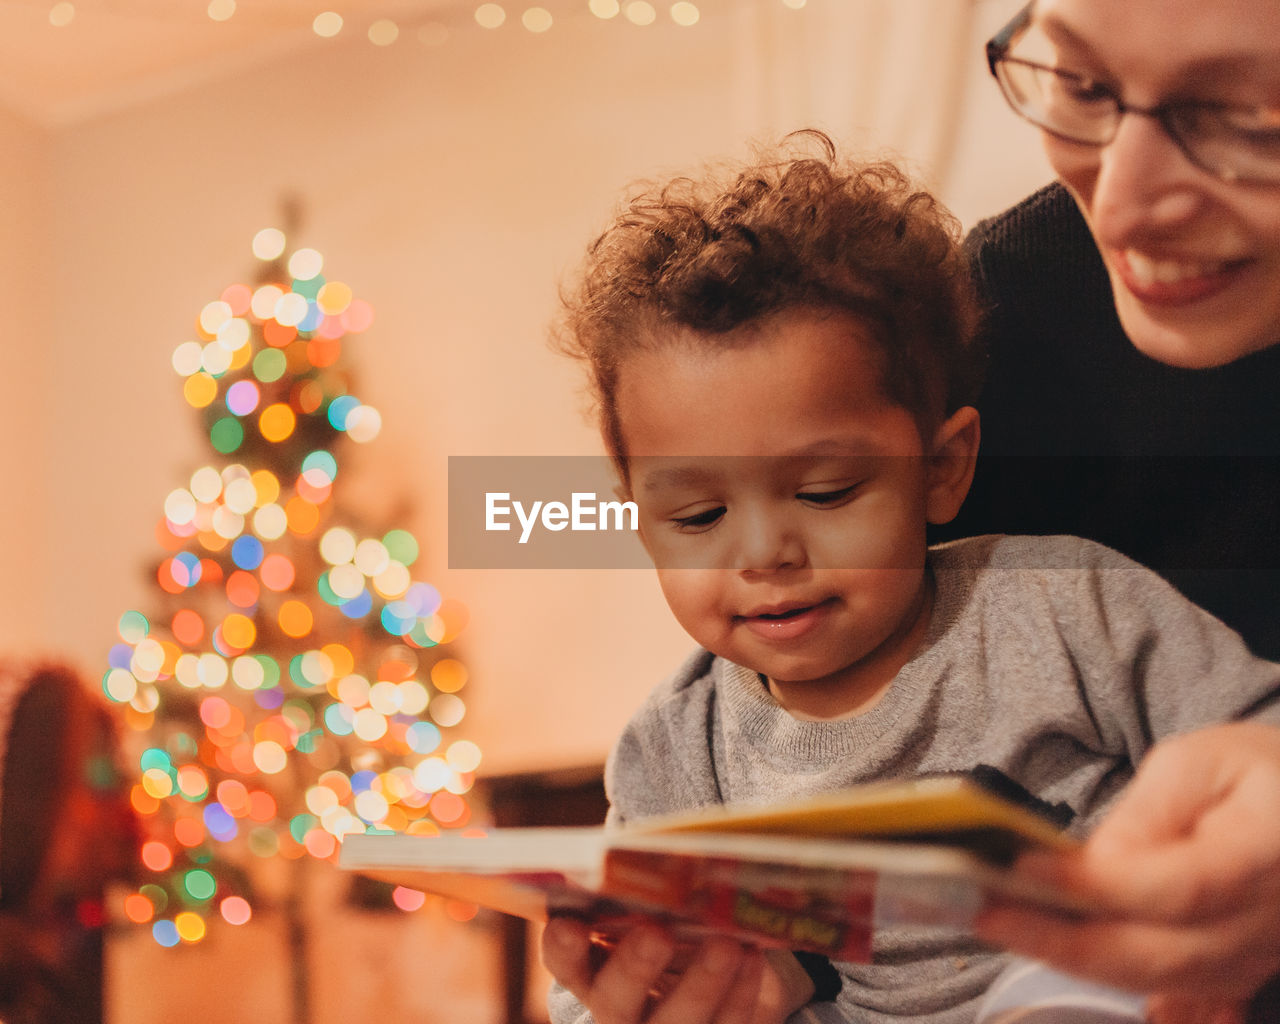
{"points": [[451, 188], [29, 414]]}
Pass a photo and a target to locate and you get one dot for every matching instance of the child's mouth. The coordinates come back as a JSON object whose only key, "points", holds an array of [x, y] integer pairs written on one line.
{"points": [[791, 614], [785, 623]]}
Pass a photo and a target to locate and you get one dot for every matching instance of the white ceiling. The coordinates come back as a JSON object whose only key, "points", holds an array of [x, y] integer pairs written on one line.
{"points": [[116, 52]]}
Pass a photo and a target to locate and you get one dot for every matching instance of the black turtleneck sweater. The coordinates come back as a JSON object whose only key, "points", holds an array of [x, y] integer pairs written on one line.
{"points": [[1082, 434]]}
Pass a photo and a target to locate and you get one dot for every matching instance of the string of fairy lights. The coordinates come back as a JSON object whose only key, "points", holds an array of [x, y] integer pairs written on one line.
{"points": [[489, 16]]}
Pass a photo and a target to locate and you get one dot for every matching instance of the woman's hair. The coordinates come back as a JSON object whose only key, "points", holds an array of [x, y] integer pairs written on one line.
{"points": [[787, 231]]}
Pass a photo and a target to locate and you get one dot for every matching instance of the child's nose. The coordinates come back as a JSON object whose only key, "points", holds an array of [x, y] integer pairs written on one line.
{"points": [[767, 543]]}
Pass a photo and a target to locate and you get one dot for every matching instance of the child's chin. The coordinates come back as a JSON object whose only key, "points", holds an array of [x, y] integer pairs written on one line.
{"points": [[803, 674]]}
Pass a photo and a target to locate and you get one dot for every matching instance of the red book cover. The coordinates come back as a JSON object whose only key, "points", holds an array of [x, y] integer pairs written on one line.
{"points": [[829, 912]]}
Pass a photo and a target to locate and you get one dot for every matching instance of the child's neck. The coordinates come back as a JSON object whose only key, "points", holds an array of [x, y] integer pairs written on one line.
{"points": [[858, 688]]}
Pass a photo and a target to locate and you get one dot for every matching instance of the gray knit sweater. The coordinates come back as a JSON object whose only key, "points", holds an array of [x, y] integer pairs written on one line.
{"points": [[1053, 659]]}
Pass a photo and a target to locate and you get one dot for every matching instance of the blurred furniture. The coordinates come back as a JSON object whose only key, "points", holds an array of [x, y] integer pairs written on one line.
{"points": [[567, 796], [65, 829]]}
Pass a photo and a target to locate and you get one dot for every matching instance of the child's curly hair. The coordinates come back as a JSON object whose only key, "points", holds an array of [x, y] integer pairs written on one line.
{"points": [[804, 231]]}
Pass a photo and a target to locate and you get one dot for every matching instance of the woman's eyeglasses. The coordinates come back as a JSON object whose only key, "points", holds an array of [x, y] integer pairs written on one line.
{"points": [[1235, 143]]}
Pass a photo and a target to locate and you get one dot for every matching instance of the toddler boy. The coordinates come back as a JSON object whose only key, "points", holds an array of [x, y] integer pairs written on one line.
{"points": [[783, 361]]}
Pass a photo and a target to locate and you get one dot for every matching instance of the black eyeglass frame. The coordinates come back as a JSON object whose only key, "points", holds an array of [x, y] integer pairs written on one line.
{"points": [[1164, 114], [999, 44]]}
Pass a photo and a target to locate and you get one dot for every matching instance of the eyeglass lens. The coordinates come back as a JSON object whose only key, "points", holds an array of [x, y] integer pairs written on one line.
{"points": [[1232, 143]]}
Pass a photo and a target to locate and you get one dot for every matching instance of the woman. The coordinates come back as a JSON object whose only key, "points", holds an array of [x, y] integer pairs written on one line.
{"points": [[1135, 316]]}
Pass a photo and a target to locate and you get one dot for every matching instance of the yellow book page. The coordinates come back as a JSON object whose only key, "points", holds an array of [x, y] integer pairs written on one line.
{"points": [[929, 806]]}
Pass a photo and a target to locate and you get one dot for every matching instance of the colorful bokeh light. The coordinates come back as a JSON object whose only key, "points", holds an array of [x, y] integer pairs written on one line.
{"points": [[296, 684]]}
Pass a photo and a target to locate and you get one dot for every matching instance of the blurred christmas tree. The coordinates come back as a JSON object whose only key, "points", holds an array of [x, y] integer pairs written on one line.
{"points": [[293, 682]]}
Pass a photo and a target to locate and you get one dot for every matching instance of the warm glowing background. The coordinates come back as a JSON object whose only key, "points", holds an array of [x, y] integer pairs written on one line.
{"points": [[451, 175]]}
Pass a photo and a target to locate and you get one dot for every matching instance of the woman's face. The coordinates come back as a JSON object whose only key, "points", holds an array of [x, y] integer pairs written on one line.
{"points": [[1194, 261]]}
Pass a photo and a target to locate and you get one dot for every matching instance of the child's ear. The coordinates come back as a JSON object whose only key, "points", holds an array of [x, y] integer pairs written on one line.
{"points": [[950, 466]]}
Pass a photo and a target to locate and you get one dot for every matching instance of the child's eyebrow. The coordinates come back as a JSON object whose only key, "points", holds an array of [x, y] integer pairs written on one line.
{"points": [[676, 476], [846, 446], [700, 474]]}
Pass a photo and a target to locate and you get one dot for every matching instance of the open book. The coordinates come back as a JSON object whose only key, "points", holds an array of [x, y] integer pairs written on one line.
{"points": [[821, 874]]}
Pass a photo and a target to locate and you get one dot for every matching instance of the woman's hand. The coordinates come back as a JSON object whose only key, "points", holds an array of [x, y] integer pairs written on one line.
{"points": [[1185, 871], [641, 980]]}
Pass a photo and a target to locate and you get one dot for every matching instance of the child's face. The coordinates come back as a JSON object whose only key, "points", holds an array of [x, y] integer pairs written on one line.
{"points": [[783, 498]]}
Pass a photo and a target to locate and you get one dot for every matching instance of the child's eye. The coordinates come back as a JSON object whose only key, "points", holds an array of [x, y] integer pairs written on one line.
{"points": [[699, 520], [824, 498]]}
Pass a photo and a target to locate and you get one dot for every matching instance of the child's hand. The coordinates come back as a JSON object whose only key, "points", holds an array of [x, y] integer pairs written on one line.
{"points": [[720, 983], [1186, 868]]}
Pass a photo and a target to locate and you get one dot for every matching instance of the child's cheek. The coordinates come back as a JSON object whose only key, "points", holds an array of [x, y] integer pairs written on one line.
{"points": [[672, 550], [881, 530], [697, 600]]}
